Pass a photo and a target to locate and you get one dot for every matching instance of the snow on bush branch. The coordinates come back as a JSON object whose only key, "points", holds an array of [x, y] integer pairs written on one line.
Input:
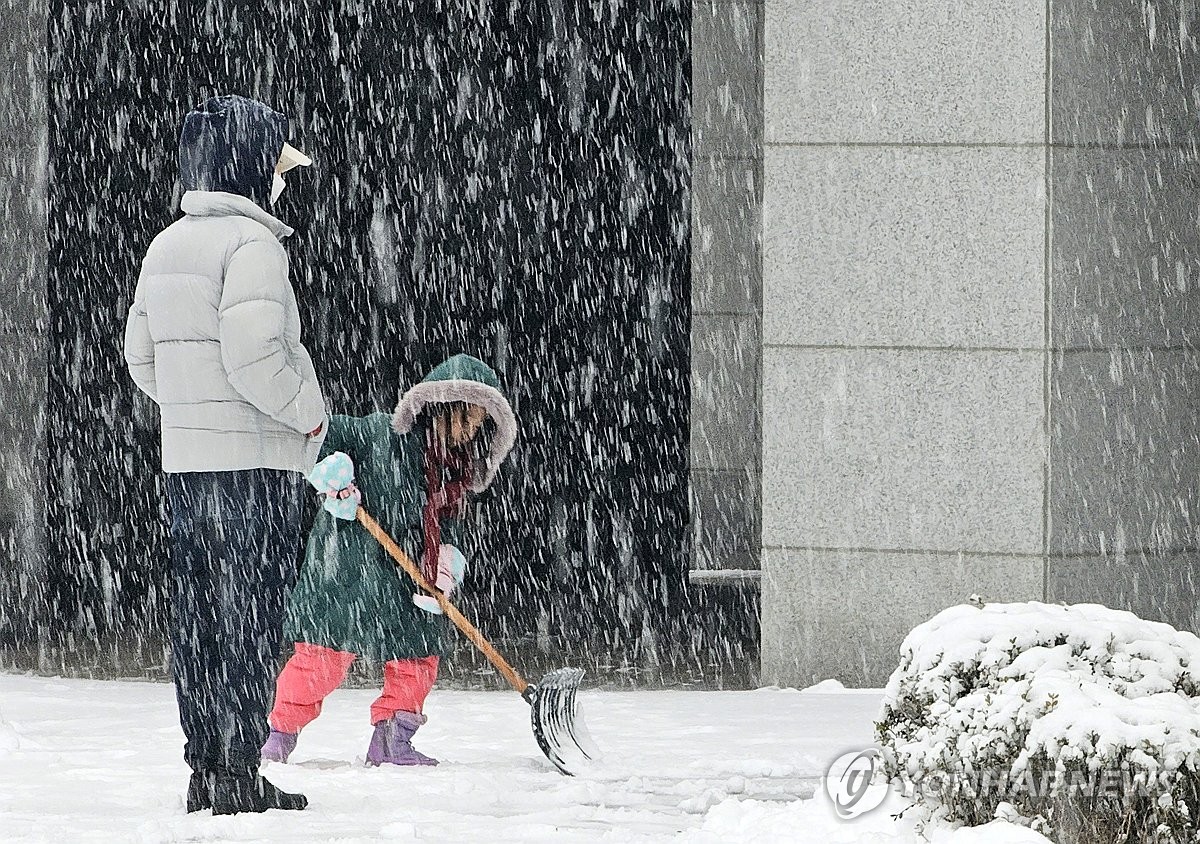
{"points": [[1083, 718]]}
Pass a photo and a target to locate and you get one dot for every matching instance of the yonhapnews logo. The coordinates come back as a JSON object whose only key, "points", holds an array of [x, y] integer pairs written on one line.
{"points": [[855, 784]]}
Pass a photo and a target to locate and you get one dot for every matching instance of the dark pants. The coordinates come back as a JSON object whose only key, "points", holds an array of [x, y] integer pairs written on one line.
{"points": [[234, 538]]}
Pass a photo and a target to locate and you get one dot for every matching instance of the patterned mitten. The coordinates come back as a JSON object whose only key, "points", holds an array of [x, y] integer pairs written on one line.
{"points": [[333, 477]]}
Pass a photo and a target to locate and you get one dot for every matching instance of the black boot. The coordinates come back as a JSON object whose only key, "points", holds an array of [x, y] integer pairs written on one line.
{"points": [[200, 791], [251, 793]]}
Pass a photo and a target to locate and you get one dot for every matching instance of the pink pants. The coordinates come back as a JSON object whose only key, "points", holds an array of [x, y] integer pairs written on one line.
{"points": [[314, 671]]}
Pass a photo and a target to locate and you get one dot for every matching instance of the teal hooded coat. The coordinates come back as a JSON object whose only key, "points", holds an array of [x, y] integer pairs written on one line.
{"points": [[350, 595]]}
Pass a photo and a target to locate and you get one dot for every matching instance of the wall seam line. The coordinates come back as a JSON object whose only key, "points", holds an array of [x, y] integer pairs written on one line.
{"points": [[1013, 145], [971, 552], [1046, 300]]}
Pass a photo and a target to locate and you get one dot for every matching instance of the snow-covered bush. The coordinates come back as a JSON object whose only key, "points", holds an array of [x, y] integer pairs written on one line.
{"points": [[1083, 718]]}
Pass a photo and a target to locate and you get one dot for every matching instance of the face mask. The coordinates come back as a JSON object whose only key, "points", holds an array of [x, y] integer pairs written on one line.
{"points": [[277, 186]]}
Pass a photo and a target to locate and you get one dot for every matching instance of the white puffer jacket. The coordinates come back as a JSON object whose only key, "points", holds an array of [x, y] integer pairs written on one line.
{"points": [[214, 338]]}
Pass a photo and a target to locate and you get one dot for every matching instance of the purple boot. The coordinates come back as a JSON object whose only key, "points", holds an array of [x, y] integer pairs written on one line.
{"points": [[392, 741], [279, 746]]}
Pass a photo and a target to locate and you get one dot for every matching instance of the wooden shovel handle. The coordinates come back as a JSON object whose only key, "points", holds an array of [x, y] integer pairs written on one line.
{"points": [[460, 621]]}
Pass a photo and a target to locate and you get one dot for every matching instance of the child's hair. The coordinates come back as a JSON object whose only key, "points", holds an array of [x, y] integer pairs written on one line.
{"points": [[477, 448]]}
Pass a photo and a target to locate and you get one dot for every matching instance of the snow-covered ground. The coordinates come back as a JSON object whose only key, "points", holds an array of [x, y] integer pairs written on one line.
{"points": [[84, 760]]}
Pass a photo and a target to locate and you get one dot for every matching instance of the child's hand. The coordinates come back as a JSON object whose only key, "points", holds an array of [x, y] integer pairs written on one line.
{"points": [[343, 503], [334, 478], [452, 568]]}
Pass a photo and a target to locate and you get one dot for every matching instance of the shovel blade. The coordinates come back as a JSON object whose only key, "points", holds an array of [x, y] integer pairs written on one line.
{"points": [[558, 725]]}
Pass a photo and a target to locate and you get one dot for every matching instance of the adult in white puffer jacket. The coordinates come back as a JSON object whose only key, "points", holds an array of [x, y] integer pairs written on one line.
{"points": [[214, 338]]}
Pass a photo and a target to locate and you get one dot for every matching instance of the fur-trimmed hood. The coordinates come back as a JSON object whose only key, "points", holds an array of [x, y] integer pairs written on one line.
{"points": [[466, 379]]}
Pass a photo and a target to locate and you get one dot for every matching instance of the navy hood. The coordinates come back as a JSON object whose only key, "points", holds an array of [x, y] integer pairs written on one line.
{"points": [[232, 144]]}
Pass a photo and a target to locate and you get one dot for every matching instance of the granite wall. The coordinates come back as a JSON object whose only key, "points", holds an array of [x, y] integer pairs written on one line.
{"points": [[979, 358]]}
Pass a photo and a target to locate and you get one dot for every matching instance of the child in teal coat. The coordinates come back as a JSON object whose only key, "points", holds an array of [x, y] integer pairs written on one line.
{"points": [[413, 470]]}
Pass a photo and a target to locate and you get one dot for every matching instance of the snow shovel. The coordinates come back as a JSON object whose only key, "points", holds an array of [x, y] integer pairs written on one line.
{"points": [[557, 725]]}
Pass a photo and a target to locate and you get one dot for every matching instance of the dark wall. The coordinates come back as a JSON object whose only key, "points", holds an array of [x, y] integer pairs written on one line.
{"points": [[1124, 411], [23, 348], [509, 181]]}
